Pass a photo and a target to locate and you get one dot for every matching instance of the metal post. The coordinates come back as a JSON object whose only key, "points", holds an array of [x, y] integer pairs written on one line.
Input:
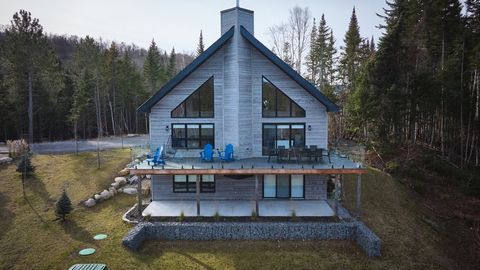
{"points": [[139, 196], [197, 195], [256, 195], [359, 194]]}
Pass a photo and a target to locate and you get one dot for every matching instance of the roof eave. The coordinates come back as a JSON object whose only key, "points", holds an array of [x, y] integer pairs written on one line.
{"points": [[315, 92], [197, 62]]}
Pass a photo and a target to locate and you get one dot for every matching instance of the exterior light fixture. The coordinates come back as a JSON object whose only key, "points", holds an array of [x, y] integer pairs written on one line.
{"points": [[309, 128], [167, 128]]}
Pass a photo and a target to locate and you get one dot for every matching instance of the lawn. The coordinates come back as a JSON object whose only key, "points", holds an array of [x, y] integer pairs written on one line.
{"points": [[32, 239]]}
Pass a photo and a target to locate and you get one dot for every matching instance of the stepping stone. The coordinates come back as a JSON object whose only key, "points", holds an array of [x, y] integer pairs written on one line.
{"points": [[100, 236], [86, 251]]}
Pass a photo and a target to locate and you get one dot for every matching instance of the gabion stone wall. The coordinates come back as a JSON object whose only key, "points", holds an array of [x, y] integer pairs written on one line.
{"points": [[202, 231]]}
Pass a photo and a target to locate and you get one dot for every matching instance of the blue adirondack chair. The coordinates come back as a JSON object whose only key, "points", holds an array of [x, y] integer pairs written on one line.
{"points": [[226, 155], [157, 157], [207, 153]]}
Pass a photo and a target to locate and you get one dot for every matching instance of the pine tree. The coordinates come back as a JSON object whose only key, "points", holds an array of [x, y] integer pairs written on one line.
{"points": [[172, 65], [152, 68], [312, 55], [200, 46], [349, 62], [25, 166], [63, 206], [322, 53]]}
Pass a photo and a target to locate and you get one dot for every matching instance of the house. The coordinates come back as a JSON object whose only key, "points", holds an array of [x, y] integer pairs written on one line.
{"points": [[238, 92]]}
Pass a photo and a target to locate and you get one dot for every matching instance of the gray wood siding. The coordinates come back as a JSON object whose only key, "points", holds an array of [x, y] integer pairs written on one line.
{"points": [[233, 189], [238, 69], [160, 115], [316, 114]]}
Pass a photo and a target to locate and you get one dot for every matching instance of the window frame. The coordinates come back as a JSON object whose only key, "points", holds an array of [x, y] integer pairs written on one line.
{"points": [[186, 139], [276, 103], [183, 103], [276, 133], [187, 189], [289, 188]]}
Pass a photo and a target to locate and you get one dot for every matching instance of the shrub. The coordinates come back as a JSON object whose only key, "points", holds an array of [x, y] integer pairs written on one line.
{"points": [[391, 166], [63, 206], [25, 166], [181, 218], [17, 148], [294, 215], [216, 216], [254, 215]]}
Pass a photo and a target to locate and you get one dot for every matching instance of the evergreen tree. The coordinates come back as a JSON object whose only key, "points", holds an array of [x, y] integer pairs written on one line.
{"points": [[152, 68], [312, 55], [200, 46], [350, 62], [323, 53], [25, 166], [330, 57], [172, 65], [63, 207]]}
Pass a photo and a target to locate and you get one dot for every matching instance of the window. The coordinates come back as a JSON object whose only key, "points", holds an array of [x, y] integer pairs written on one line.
{"points": [[284, 186], [276, 104], [188, 183], [192, 136], [286, 135], [197, 105], [207, 184]]}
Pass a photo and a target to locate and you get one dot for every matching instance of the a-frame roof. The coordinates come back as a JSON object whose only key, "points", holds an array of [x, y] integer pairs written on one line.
{"points": [[147, 106], [331, 107]]}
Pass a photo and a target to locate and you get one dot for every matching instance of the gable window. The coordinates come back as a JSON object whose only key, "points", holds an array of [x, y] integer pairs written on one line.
{"points": [[188, 183], [282, 135], [198, 105], [284, 186], [276, 104], [192, 136]]}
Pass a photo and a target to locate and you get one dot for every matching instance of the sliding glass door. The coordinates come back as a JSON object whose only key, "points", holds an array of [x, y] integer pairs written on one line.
{"points": [[282, 135], [284, 186]]}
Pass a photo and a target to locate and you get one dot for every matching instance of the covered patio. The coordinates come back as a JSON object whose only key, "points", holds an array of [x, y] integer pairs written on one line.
{"points": [[244, 208]]}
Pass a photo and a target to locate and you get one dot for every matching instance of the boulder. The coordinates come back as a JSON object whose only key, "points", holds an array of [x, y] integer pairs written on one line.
{"points": [[130, 190], [97, 197], [124, 172], [112, 189], [112, 193], [133, 179], [105, 194], [115, 185], [5, 160], [89, 203], [120, 180]]}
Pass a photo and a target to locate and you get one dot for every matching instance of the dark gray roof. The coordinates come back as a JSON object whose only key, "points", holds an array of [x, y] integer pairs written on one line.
{"points": [[315, 92]]}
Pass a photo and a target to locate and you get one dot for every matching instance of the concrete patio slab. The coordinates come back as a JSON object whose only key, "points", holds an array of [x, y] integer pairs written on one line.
{"points": [[238, 208]]}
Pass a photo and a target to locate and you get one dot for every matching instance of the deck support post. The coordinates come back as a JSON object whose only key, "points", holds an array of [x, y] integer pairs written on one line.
{"points": [[359, 195], [256, 195], [139, 196], [197, 195], [336, 196]]}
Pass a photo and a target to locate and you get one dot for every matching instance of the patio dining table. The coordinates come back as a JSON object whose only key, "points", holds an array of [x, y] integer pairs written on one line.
{"points": [[298, 154]]}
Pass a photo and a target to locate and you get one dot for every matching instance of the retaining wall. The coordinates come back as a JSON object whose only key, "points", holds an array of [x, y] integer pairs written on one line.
{"points": [[206, 231]]}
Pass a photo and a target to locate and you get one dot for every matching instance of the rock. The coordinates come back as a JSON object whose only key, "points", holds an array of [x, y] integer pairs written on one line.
{"points": [[136, 161], [124, 172], [97, 197], [112, 189], [105, 194], [112, 193], [5, 160], [89, 203], [115, 185], [133, 179], [120, 180], [130, 190]]}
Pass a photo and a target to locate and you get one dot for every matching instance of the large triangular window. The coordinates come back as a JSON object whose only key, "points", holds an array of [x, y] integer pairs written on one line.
{"points": [[276, 104], [198, 105]]}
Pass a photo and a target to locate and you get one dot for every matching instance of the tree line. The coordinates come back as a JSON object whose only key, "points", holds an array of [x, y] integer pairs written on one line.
{"points": [[420, 86], [57, 87]]}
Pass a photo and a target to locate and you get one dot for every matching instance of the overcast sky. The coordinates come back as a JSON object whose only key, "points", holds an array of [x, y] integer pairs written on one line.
{"points": [[178, 22]]}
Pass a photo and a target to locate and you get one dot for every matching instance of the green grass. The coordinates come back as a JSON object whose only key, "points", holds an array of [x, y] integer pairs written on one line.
{"points": [[31, 239]]}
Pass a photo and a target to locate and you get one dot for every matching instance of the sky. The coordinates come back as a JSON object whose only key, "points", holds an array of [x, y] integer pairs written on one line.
{"points": [[177, 23]]}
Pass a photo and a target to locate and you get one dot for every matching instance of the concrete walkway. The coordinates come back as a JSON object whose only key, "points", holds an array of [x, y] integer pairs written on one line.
{"points": [[267, 208]]}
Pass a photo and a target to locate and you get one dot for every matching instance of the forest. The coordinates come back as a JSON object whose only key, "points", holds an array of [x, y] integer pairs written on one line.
{"points": [[418, 84], [61, 87]]}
